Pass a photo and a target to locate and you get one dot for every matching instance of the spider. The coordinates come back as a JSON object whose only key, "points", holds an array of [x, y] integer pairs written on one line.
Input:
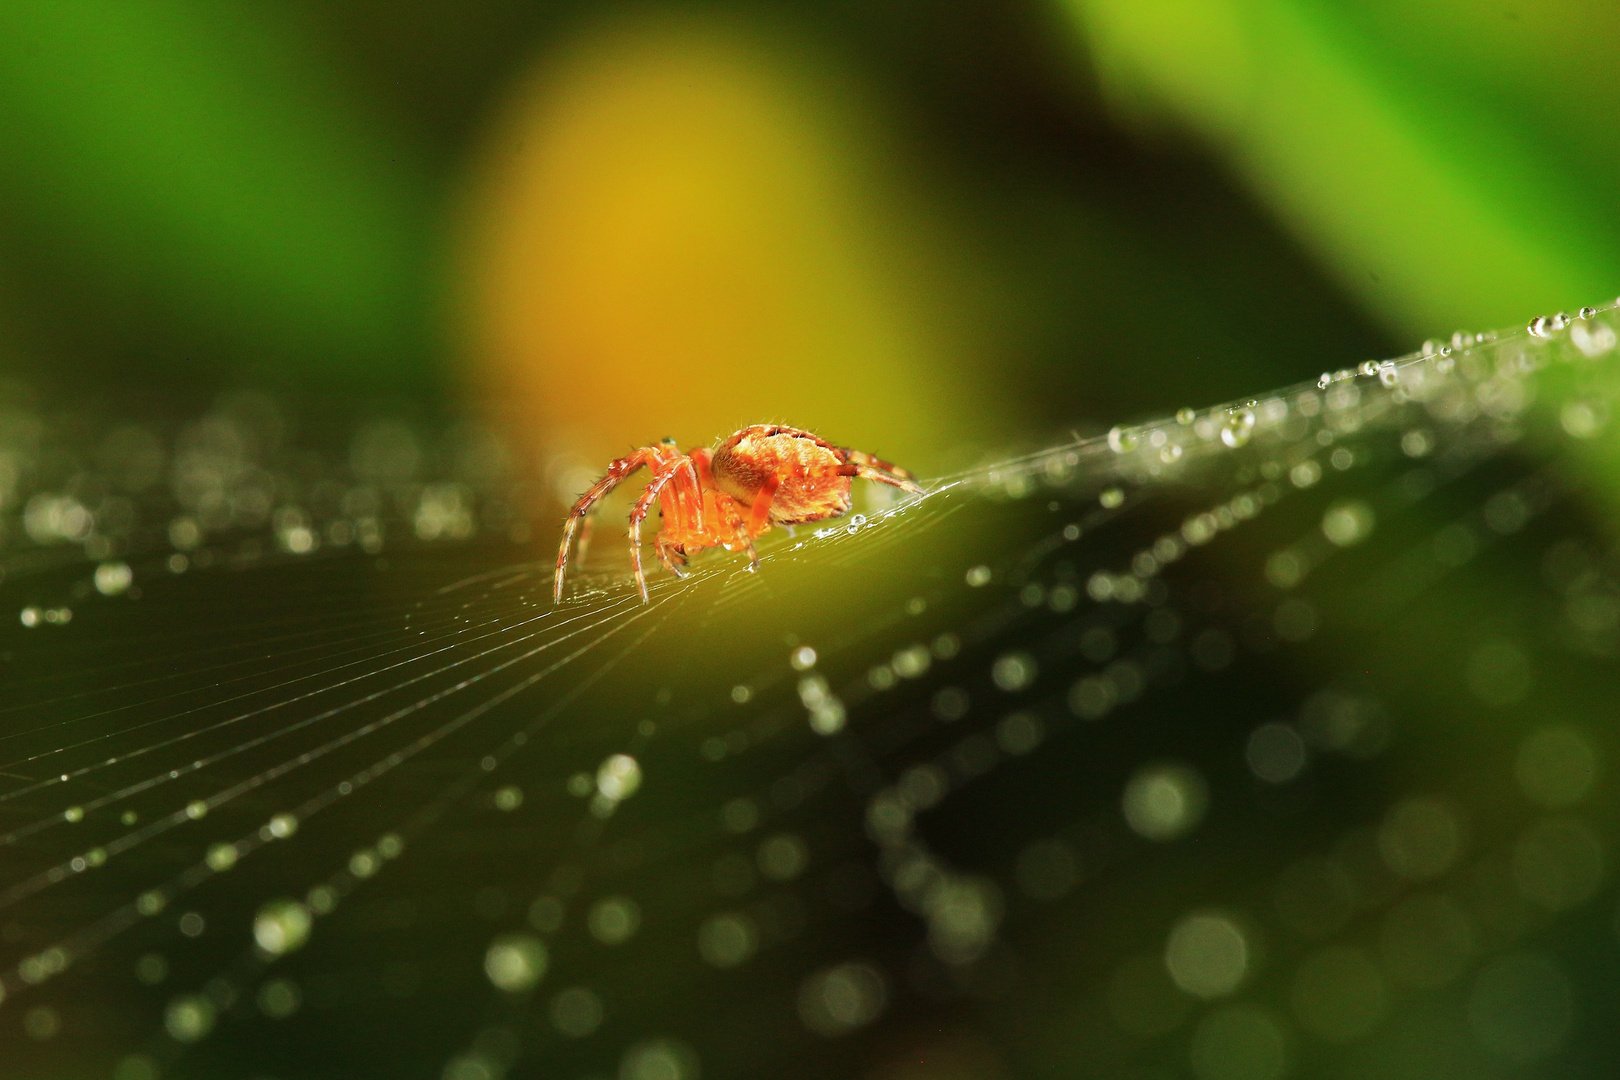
{"points": [[761, 476]]}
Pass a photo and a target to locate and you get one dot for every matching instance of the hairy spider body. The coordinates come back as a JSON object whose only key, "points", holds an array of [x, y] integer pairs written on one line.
{"points": [[761, 476]]}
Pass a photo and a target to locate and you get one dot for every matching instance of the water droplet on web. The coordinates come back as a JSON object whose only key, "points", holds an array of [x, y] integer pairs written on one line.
{"points": [[1121, 440], [1165, 801], [1238, 428], [727, 941], [1588, 312], [516, 962], [614, 920], [618, 778], [855, 524], [912, 662], [837, 1000], [1348, 523], [1207, 954], [113, 578], [281, 927], [1556, 767], [1185, 416], [221, 857], [1416, 443], [1420, 838], [189, 1018], [1014, 672]]}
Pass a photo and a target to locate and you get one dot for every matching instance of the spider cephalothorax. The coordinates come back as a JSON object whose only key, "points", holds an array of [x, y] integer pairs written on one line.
{"points": [[762, 476]]}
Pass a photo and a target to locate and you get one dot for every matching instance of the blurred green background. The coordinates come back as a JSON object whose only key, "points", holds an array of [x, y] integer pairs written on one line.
{"points": [[1010, 217]]}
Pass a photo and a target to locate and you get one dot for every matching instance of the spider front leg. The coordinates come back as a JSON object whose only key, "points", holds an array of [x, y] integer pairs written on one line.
{"points": [[616, 472], [587, 526], [639, 514]]}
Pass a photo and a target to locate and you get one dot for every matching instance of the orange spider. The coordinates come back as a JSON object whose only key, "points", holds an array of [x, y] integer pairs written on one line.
{"points": [[762, 476]]}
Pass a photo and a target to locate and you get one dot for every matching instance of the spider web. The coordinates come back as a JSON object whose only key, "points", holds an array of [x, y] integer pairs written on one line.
{"points": [[1253, 740]]}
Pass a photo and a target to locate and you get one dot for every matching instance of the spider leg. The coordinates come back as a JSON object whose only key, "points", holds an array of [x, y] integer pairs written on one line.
{"points": [[703, 475], [760, 514], [900, 478], [690, 493], [587, 526], [671, 555], [616, 472], [680, 505], [868, 467], [642, 508], [861, 457], [729, 521]]}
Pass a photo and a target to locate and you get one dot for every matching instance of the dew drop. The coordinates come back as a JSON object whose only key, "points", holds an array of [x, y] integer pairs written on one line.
{"points": [[618, 777], [515, 962], [1325, 380], [112, 578], [1185, 416], [1588, 312], [1238, 428], [1121, 441], [282, 926]]}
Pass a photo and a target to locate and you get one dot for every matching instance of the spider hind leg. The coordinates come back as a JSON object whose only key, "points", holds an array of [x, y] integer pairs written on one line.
{"points": [[866, 467]]}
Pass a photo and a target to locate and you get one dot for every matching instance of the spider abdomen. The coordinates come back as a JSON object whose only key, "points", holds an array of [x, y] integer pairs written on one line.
{"points": [[809, 485]]}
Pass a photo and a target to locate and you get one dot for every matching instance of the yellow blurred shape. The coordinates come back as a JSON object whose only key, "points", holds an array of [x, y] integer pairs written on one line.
{"points": [[671, 236]]}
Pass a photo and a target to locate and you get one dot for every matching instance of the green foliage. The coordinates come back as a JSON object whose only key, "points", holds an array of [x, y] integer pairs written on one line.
{"points": [[198, 160], [1445, 167]]}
